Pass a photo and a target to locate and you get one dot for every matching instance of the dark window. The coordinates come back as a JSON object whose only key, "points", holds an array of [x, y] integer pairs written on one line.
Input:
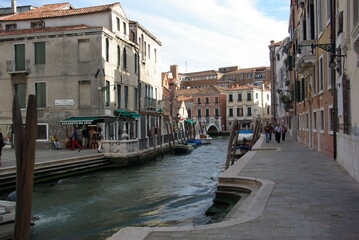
{"points": [[118, 56], [41, 132], [39, 24], [216, 100], [239, 97], [107, 94], [199, 113], [207, 100], [124, 55], [231, 112], [40, 92], [249, 96], [230, 98], [249, 111], [107, 50], [119, 96], [124, 28], [207, 112], [126, 96], [10, 26], [118, 24], [189, 112], [136, 63], [40, 53], [199, 100], [216, 112], [20, 91]]}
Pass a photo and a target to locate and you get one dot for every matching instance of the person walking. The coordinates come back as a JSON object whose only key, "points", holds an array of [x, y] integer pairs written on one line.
{"points": [[271, 131], [267, 132], [75, 141], [278, 131], [99, 138], [284, 130], [2, 144]]}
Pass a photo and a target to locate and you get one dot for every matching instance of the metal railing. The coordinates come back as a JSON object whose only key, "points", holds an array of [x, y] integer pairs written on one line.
{"points": [[18, 66]]}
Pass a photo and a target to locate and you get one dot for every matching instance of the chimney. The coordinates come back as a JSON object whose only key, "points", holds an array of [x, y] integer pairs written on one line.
{"points": [[174, 70], [13, 7]]}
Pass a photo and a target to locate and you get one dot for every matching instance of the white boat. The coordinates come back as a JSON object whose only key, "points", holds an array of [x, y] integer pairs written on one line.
{"points": [[245, 136], [7, 219], [204, 138]]}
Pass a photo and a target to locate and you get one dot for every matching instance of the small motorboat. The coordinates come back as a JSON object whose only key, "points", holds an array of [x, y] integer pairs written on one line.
{"points": [[244, 136], [182, 149], [204, 138]]}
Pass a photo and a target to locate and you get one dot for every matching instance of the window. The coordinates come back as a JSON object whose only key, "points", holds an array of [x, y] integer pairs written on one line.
{"points": [[136, 63], [124, 55], [319, 16], [322, 120], [268, 110], [331, 120], [321, 73], [198, 100], [249, 96], [329, 72], [39, 24], [239, 97], [84, 50], [118, 24], [256, 95], [189, 112], [216, 100], [9, 27], [231, 112], [40, 92], [42, 132], [207, 100], [107, 94], [19, 50], [199, 113], [207, 112], [135, 94], [230, 98], [216, 112], [126, 96], [118, 95], [40, 53], [20, 91], [267, 96], [315, 120], [329, 8], [155, 55], [149, 51], [249, 111], [240, 112], [124, 28], [107, 50], [355, 12]]}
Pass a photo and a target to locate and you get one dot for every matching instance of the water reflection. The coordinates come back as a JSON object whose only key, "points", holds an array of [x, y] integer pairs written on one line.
{"points": [[175, 190]]}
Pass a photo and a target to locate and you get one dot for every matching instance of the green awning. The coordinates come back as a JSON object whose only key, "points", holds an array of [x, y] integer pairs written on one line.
{"points": [[125, 113], [79, 120], [189, 121]]}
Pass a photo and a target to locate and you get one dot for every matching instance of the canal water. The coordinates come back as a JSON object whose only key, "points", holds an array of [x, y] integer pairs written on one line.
{"points": [[173, 191]]}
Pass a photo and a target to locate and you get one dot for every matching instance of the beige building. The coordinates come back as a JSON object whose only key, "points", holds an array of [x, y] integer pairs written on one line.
{"points": [[246, 104], [83, 72]]}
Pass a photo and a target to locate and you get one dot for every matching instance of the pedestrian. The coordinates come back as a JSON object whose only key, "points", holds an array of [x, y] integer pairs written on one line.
{"points": [[270, 131], [267, 132], [2, 144], [55, 141], [277, 132], [99, 138], [284, 130], [85, 137], [75, 141]]}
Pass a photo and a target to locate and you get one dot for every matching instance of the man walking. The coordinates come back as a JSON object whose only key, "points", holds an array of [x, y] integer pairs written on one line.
{"points": [[75, 141], [278, 132], [268, 131]]}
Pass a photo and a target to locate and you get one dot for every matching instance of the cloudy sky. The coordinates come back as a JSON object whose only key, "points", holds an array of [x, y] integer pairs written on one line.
{"points": [[202, 35]]}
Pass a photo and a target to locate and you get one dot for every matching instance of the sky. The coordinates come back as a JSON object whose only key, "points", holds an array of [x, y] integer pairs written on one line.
{"points": [[199, 35]]}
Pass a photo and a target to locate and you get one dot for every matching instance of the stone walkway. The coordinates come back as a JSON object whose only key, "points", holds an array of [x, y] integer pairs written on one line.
{"points": [[313, 198]]}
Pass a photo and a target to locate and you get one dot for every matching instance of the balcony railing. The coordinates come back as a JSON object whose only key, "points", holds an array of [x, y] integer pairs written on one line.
{"points": [[150, 103], [18, 66]]}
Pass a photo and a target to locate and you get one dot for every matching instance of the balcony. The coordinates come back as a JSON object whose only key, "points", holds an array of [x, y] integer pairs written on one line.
{"points": [[306, 57], [150, 103], [14, 67]]}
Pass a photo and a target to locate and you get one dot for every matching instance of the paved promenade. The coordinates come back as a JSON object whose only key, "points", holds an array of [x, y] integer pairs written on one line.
{"points": [[8, 156], [313, 198]]}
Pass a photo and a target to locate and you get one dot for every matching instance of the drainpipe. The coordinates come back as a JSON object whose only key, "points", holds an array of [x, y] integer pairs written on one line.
{"points": [[334, 86]]}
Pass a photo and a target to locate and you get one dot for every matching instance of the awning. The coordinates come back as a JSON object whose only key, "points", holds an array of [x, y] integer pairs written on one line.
{"points": [[80, 120], [129, 114], [189, 121]]}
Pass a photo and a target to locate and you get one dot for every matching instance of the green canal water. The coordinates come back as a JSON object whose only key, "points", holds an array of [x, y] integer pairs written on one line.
{"points": [[173, 191]]}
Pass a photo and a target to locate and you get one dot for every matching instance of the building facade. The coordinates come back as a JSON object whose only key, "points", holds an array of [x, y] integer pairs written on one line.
{"points": [[83, 72], [246, 104]]}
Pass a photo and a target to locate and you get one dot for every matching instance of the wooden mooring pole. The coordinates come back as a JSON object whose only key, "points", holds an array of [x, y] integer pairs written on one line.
{"points": [[25, 146], [230, 142]]}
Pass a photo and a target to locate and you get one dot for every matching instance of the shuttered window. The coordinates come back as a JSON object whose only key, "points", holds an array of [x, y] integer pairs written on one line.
{"points": [[40, 53], [40, 92]]}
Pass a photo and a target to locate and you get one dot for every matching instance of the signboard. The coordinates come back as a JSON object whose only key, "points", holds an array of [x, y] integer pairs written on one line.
{"points": [[64, 102]]}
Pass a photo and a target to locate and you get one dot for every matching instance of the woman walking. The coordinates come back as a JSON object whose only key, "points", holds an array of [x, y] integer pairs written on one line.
{"points": [[99, 138]]}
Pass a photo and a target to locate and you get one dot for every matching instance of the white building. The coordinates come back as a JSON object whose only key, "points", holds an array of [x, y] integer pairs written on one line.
{"points": [[247, 103]]}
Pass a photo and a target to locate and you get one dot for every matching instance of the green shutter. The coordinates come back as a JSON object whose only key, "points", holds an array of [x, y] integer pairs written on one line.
{"points": [[40, 92], [40, 54], [19, 57]]}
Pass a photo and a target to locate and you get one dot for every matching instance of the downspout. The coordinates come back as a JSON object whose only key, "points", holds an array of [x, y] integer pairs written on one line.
{"points": [[333, 72]]}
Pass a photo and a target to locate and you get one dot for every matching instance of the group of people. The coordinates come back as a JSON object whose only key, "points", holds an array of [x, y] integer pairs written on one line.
{"points": [[279, 132], [91, 139]]}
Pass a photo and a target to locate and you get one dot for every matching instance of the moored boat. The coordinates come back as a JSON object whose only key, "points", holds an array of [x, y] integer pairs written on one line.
{"points": [[7, 219], [182, 149]]}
